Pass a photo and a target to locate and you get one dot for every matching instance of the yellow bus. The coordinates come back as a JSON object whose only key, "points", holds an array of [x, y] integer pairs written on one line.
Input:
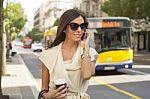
{"points": [[111, 37]]}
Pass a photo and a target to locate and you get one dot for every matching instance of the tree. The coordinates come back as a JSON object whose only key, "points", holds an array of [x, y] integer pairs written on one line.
{"points": [[2, 48], [35, 34], [134, 9], [56, 22], [1, 42], [16, 19]]}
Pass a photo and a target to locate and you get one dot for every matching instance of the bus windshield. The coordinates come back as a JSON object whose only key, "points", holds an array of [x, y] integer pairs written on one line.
{"points": [[110, 33], [110, 39]]}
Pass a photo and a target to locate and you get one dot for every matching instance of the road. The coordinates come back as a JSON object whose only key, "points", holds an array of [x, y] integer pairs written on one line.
{"points": [[123, 84]]}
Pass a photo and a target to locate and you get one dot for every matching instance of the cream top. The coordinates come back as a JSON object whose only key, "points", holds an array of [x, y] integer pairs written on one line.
{"points": [[69, 70]]}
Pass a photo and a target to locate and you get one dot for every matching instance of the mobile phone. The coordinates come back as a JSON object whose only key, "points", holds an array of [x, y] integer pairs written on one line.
{"points": [[84, 35]]}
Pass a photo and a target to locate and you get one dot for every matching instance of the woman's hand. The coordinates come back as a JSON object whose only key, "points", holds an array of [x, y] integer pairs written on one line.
{"points": [[85, 41], [59, 93]]}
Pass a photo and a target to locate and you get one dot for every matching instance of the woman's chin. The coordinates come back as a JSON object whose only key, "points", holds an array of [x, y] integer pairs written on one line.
{"points": [[77, 39]]}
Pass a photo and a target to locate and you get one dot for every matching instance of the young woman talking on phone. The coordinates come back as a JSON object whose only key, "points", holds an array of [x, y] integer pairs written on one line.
{"points": [[69, 57]]}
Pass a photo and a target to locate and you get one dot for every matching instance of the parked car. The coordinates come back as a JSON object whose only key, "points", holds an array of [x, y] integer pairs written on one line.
{"points": [[37, 47]]}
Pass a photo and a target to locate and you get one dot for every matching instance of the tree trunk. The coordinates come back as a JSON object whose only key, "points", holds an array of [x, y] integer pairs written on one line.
{"points": [[1, 42], [2, 50]]}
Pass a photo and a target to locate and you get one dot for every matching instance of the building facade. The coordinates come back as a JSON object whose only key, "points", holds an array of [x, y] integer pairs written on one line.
{"points": [[51, 10], [141, 35], [38, 18], [92, 8]]}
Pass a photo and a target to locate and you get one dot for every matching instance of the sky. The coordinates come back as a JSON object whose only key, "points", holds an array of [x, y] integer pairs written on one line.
{"points": [[30, 7]]}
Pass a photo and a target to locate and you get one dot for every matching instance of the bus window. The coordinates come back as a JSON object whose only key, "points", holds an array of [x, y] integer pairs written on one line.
{"points": [[107, 40], [97, 40]]}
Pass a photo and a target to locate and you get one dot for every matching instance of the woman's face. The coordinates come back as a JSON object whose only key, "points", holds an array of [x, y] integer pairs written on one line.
{"points": [[73, 31]]}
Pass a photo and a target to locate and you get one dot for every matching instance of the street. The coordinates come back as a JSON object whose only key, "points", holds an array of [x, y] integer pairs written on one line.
{"points": [[121, 84], [118, 30]]}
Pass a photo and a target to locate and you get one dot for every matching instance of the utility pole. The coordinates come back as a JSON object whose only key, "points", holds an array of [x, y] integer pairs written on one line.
{"points": [[2, 47]]}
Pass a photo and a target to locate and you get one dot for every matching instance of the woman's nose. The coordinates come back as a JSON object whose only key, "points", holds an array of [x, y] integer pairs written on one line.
{"points": [[79, 29]]}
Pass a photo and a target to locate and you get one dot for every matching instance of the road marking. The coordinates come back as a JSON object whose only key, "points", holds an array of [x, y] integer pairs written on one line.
{"points": [[133, 71], [115, 88]]}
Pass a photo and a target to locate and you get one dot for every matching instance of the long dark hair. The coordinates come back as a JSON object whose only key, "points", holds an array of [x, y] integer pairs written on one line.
{"points": [[65, 19]]}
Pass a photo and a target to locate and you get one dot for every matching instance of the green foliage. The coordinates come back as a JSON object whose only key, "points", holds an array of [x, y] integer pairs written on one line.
{"points": [[56, 22], [13, 33], [16, 19], [13, 36], [35, 34], [20, 36], [130, 8]]}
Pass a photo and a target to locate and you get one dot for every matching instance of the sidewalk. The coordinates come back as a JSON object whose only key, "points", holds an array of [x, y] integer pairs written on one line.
{"points": [[141, 58], [18, 82]]}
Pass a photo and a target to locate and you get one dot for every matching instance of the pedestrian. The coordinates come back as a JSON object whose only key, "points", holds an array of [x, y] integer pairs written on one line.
{"points": [[69, 57]]}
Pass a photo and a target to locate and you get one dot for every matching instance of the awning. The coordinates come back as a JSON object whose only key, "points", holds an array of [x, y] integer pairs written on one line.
{"points": [[51, 31]]}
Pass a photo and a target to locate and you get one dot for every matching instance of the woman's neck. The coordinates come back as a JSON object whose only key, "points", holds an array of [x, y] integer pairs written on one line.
{"points": [[68, 45], [68, 50]]}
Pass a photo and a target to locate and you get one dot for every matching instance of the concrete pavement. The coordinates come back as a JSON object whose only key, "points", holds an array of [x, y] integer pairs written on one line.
{"points": [[18, 82]]}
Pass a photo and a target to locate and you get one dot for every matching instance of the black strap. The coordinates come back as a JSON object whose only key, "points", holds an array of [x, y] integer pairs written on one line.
{"points": [[41, 93]]}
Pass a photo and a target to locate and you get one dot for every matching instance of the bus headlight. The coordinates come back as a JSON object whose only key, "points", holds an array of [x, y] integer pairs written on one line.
{"points": [[126, 66]]}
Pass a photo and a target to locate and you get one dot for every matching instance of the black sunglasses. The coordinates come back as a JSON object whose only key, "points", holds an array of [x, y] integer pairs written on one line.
{"points": [[75, 26]]}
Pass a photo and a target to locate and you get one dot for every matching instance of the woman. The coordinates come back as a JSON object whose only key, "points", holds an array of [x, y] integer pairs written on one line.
{"points": [[70, 58]]}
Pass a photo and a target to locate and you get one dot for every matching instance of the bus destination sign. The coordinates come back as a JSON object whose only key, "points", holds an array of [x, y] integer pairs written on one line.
{"points": [[106, 24]]}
